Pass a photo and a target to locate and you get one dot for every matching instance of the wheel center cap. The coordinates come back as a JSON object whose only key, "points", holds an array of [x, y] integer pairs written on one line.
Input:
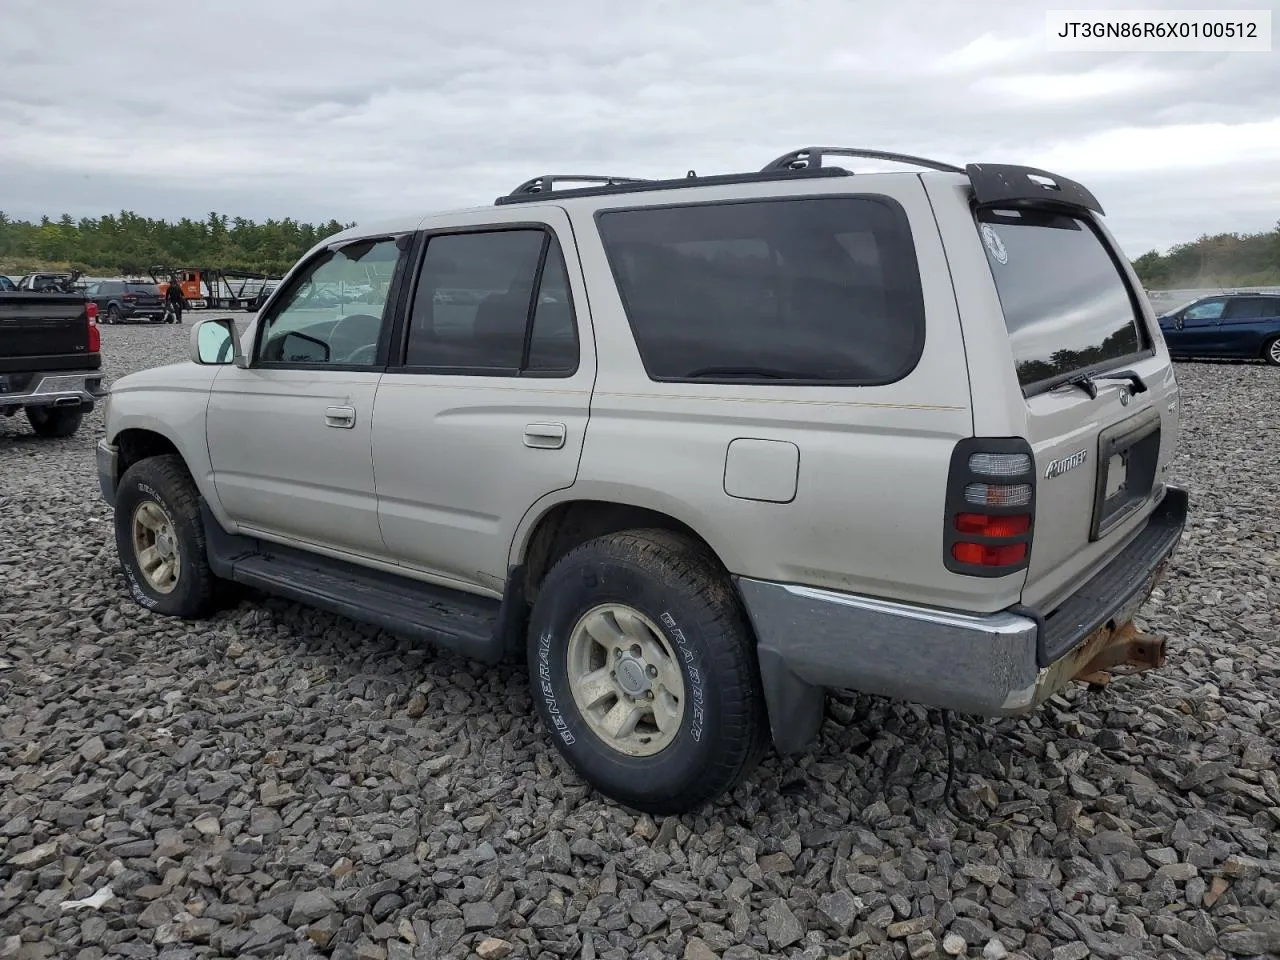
{"points": [[632, 677], [164, 545]]}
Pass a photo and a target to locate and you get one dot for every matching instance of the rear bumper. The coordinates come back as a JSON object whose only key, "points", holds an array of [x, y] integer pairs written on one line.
{"points": [[811, 640], [55, 389], [143, 313]]}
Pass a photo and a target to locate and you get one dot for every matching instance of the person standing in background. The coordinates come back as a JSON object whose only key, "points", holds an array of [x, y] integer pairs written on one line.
{"points": [[175, 298]]}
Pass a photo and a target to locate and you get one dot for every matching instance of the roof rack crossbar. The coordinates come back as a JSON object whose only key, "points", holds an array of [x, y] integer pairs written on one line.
{"points": [[811, 157], [548, 182]]}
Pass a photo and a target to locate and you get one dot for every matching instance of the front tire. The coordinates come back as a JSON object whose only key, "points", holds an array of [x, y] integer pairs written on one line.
{"points": [[55, 421], [644, 671], [160, 539]]}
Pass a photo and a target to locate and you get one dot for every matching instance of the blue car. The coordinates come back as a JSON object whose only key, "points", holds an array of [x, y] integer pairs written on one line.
{"points": [[1242, 326]]}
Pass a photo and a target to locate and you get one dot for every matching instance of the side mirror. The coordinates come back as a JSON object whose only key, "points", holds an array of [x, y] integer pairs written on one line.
{"points": [[214, 342]]}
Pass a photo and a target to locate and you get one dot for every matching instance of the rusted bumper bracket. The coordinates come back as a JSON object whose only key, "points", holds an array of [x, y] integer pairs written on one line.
{"points": [[1123, 652]]}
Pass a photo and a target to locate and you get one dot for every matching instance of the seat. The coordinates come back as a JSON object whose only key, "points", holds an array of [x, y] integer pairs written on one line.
{"points": [[499, 327]]}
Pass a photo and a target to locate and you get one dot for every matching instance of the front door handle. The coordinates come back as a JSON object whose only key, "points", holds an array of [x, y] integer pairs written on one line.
{"points": [[343, 418], [548, 436]]}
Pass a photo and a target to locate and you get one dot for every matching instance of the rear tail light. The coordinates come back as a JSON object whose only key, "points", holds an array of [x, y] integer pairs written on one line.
{"points": [[91, 320], [990, 510], [1000, 464], [978, 555], [998, 495]]}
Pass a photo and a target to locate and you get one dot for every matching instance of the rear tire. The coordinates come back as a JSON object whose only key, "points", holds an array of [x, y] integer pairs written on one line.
{"points": [[160, 539], [1271, 352], [113, 314], [55, 421], [647, 621]]}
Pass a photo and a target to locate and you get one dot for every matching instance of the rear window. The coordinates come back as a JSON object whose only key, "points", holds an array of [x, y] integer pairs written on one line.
{"points": [[806, 291], [150, 288], [1066, 304]]}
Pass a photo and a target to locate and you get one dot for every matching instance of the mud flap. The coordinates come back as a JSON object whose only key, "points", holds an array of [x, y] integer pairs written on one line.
{"points": [[795, 707]]}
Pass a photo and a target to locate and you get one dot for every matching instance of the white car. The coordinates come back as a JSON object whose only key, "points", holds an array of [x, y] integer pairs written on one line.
{"points": [[696, 450]]}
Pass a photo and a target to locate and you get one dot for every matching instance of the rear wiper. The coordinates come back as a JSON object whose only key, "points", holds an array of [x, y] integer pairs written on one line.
{"points": [[768, 373], [1089, 384], [1129, 375], [1085, 383]]}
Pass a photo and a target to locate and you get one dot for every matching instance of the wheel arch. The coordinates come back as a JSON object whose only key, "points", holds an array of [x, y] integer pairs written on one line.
{"points": [[551, 529], [140, 438]]}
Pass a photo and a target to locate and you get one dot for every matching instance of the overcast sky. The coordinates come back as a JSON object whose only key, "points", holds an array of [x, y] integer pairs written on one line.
{"points": [[317, 109]]}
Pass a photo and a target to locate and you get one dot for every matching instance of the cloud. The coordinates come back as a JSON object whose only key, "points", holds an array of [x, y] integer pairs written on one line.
{"points": [[319, 108]]}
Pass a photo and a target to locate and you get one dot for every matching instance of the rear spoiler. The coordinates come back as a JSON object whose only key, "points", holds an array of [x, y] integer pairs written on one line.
{"points": [[1009, 185]]}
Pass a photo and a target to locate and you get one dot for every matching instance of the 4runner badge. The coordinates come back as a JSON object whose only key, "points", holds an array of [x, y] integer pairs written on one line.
{"points": [[1057, 468]]}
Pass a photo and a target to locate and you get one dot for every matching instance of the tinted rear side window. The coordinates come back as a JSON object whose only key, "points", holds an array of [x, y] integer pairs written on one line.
{"points": [[1260, 308], [1066, 304], [813, 290], [475, 310]]}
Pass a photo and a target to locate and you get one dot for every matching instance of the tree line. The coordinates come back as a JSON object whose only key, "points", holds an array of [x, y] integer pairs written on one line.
{"points": [[1221, 260], [127, 243]]}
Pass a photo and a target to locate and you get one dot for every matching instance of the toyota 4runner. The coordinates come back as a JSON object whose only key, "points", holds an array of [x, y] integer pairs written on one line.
{"points": [[697, 450]]}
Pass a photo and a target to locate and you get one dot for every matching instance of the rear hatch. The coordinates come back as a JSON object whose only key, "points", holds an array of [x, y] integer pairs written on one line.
{"points": [[143, 296], [44, 331], [1097, 386]]}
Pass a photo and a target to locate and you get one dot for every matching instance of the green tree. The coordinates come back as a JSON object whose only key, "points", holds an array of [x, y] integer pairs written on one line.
{"points": [[1221, 260]]}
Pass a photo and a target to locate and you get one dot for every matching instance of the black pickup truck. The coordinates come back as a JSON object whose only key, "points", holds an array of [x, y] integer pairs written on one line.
{"points": [[50, 358]]}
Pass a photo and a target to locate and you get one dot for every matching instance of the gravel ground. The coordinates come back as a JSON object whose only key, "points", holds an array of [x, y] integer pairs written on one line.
{"points": [[281, 782]]}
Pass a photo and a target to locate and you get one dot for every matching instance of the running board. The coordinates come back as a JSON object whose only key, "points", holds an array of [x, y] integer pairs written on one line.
{"points": [[473, 626]]}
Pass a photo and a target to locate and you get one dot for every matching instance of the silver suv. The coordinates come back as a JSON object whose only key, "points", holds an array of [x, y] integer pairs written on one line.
{"points": [[697, 450]]}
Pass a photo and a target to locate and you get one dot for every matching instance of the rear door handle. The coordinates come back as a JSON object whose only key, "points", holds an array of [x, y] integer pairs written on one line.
{"points": [[343, 418], [548, 436]]}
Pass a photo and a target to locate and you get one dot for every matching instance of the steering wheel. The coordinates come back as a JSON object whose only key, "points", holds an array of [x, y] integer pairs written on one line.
{"points": [[355, 322], [365, 354]]}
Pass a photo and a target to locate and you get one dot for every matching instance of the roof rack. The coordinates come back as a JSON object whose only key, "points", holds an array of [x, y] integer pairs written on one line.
{"points": [[808, 158], [548, 182], [993, 184], [523, 194]]}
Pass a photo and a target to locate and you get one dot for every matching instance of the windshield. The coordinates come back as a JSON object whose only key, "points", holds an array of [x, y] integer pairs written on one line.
{"points": [[1066, 304]]}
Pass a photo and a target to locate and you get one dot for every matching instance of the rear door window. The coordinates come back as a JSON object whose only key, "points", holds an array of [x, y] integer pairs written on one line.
{"points": [[1066, 304], [822, 290], [475, 311], [1252, 308]]}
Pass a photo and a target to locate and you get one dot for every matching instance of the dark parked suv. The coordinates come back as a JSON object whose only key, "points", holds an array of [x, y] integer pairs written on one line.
{"points": [[1242, 326], [123, 300]]}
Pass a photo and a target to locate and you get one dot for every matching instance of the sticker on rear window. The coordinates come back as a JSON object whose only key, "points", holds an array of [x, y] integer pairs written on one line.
{"points": [[994, 244]]}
